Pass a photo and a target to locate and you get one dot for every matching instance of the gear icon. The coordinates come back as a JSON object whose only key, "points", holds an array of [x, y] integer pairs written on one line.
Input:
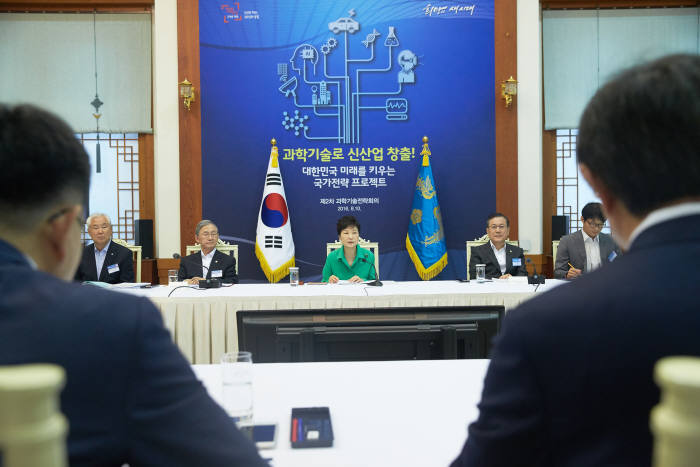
{"points": [[325, 49], [332, 42]]}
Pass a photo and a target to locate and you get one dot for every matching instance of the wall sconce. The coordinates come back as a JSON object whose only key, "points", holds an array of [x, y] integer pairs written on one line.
{"points": [[509, 88], [187, 93]]}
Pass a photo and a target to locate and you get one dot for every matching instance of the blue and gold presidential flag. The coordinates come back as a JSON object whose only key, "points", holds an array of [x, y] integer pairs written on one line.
{"points": [[425, 240], [274, 245]]}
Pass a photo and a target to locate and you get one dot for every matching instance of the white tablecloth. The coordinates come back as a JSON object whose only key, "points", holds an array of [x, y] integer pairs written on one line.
{"points": [[406, 413], [203, 322]]}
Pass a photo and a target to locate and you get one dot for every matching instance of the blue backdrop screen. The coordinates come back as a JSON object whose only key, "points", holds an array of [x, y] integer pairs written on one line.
{"points": [[348, 89]]}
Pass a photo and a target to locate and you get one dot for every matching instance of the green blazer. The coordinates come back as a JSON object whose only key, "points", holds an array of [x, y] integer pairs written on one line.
{"points": [[337, 265]]}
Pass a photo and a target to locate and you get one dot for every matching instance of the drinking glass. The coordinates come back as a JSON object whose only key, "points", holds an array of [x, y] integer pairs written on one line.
{"points": [[172, 276], [237, 379], [480, 272], [293, 276]]}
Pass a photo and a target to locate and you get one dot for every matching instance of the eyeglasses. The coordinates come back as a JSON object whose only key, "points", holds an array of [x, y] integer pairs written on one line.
{"points": [[497, 227], [81, 221], [597, 225], [209, 234]]}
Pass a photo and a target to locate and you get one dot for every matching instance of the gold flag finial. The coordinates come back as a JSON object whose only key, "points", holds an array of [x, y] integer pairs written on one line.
{"points": [[273, 153], [425, 152]]}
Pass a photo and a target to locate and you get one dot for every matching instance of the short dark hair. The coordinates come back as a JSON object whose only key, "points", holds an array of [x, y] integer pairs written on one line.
{"points": [[593, 211], [640, 134], [345, 222], [497, 214], [42, 162]]}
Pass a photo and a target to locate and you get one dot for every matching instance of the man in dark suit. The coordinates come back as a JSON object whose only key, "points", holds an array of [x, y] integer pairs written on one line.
{"points": [[502, 259], [570, 380], [130, 396], [209, 263], [587, 249], [114, 262]]}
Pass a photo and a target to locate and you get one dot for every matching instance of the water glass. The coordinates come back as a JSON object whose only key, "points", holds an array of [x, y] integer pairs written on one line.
{"points": [[237, 379], [480, 272], [293, 276], [172, 276]]}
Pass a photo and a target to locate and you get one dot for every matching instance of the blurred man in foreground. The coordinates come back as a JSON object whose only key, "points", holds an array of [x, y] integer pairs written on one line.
{"points": [[570, 380], [130, 396], [103, 260]]}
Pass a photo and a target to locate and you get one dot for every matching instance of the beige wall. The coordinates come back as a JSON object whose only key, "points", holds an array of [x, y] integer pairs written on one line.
{"points": [[165, 128]]}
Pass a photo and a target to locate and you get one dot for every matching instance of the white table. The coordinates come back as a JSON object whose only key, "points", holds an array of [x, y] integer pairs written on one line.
{"points": [[402, 413], [203, 322]]}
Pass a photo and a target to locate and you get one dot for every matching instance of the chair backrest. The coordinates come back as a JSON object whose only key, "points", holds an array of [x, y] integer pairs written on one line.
{"points": [[224, 247], [675, 421], [136, 249], [555, 247], [32, 429], [371, 246], [480, 241]]}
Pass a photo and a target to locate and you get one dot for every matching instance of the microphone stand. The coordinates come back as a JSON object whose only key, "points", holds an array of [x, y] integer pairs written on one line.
{"points": [[376, 282]]}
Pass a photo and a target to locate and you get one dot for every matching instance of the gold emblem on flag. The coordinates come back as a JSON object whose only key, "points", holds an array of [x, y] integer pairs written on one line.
{"points": [[426, 187], [416, 216]]}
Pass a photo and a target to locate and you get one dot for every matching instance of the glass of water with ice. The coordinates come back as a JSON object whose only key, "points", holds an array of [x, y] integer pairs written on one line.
{"points": [[237, 378]]}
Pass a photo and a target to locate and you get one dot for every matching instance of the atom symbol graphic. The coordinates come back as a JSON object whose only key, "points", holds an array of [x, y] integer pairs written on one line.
{"points": [[295, 122]]}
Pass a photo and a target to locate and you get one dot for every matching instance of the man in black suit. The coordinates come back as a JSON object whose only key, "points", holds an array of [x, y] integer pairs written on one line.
{"points": [[130, 396], [570, 380], [114, 262], [209, 263], [587, 249], [502, 259]]}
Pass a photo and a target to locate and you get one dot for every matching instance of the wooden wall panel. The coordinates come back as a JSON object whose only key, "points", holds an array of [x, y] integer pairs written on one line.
{"points": [[589, 4], [506, 65], [190, 122], [549, 193]]}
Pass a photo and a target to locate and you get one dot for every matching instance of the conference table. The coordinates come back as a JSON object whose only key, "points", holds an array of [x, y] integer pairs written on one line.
{"points": [[396, 413], [203, 321]]}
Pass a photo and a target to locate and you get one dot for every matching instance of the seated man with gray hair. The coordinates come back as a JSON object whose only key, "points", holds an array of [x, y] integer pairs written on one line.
{"points": [[207, 263], [103, 260]]}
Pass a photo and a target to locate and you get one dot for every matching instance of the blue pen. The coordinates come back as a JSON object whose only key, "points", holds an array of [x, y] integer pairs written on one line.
{"points": [[299, 430]]}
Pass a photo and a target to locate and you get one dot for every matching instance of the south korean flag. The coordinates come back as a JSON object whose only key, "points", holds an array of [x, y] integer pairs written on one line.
{"points": [[274, 245]]}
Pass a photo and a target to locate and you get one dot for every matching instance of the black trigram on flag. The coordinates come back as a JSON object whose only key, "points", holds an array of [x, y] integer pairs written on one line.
{"points": [[273, 179], [273, 241]]}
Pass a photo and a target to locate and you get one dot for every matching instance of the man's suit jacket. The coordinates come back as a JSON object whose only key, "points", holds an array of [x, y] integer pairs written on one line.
{"points": [[570, 379], [130, 396], [483, 254], [116, 254], [573, 250], [191, 266]]}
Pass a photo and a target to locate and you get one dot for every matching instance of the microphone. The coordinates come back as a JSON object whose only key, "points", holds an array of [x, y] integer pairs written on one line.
{"points": [[203, 284], [534, 278], [376, 282]]}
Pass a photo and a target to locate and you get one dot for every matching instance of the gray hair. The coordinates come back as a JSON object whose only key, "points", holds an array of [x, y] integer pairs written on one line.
{"points": [[97, 214], [201, 224]]}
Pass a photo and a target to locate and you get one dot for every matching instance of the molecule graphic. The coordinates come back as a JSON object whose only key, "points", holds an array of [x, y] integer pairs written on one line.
{"points": [[296, 122]]}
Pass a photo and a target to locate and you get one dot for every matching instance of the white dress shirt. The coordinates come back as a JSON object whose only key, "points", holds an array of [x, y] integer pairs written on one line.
{"points": [[592, 251], [500, 256], [100, 256], [206, 261]]}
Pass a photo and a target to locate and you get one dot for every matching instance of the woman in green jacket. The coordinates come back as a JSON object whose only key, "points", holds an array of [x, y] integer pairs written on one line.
{"points": [[351, 262]]}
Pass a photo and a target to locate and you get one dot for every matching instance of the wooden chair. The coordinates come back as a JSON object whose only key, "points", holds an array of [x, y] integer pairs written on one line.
{"points": [[32, 429], [555, 247], [136, 249], [371, 246], [221, 245], [478, 242]]}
